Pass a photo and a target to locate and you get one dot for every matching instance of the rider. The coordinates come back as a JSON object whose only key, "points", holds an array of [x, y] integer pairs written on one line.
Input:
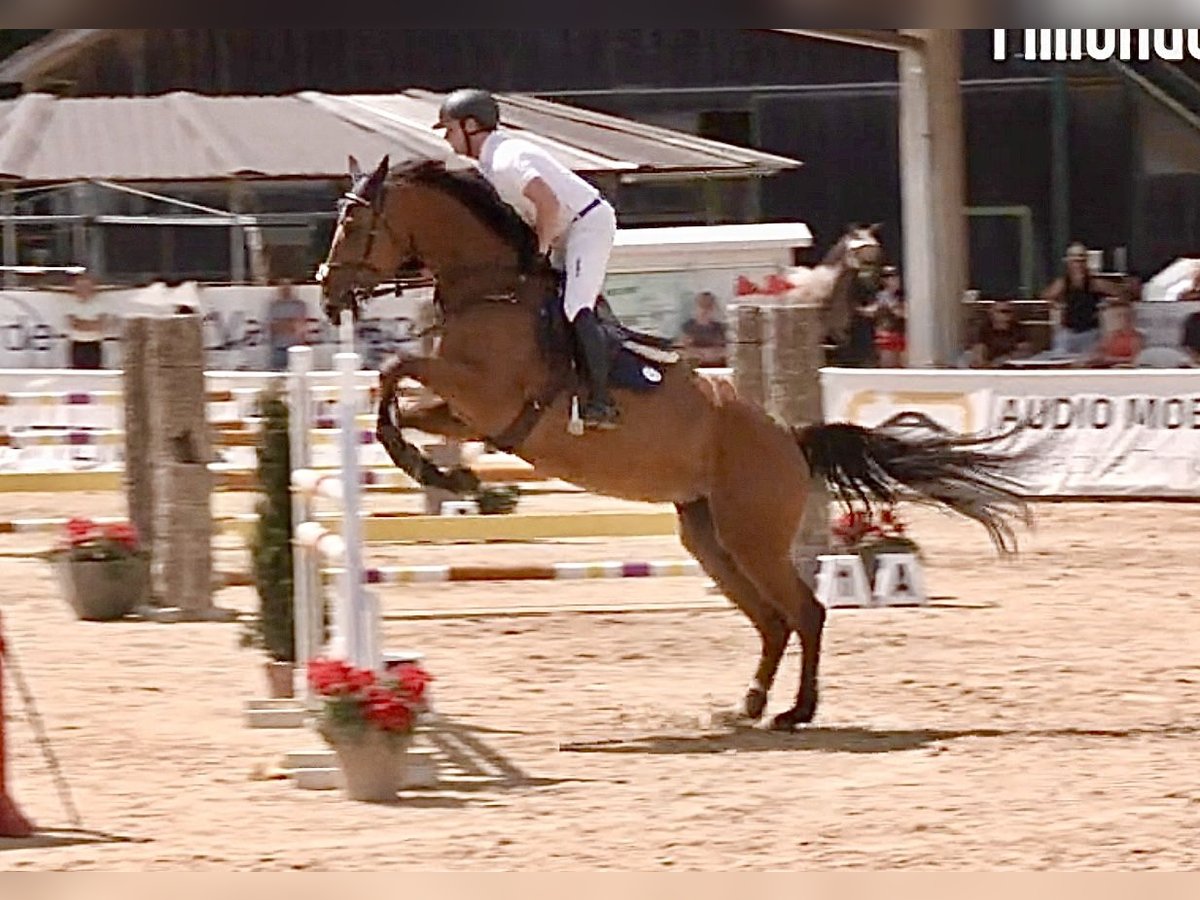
{"points": [[570, 218]]}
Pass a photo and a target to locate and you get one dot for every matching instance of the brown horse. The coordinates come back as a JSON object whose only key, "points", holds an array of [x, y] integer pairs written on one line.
{"points": [[739, 480]]}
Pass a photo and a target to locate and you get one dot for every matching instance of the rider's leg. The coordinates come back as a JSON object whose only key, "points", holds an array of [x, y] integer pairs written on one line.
{"points": [[588, 246]]}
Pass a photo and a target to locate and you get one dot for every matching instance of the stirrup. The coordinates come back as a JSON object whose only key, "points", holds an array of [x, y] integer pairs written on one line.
{"points": [[604, 417]]}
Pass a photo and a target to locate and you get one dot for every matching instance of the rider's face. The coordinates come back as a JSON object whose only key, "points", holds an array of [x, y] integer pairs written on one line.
{"points": [[457, 138]]}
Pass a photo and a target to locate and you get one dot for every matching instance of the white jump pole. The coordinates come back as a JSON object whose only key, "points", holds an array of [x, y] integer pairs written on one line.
{"points": [[359, 617], [306, 577]]}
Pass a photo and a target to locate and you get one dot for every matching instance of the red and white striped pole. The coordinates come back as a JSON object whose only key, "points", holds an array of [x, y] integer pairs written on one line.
{"points": [[12, 822]]}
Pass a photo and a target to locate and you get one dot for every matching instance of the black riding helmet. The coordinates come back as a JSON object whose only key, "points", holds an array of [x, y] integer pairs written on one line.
{"points": [[469, 103]]}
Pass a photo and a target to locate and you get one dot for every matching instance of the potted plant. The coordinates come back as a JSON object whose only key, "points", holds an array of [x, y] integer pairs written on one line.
{"points": [[870, 532], [104, 570], [273, 631], [368, 719]]}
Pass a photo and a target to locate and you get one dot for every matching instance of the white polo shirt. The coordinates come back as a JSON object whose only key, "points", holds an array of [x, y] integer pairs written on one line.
{"points": [[510, 163]]}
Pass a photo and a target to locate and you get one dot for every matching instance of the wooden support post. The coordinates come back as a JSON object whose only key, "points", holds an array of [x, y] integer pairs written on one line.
{"points": [[933, 193]]}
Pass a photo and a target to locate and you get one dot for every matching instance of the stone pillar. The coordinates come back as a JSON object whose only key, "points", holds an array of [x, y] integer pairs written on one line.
{"points": [[138, 475], [181, 448], [748, 352], [793, 356]]}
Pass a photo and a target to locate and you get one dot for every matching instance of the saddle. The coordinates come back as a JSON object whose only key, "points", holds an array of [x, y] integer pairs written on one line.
{"points": [[636, 362], [636, 359]]}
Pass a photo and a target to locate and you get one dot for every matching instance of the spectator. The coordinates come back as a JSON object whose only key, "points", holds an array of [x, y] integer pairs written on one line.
{"points": [[85, 325], [1190, 289], [1000, 337], [858, 349], [288, 317], [703, 335], [1121, 346], [1076, 297], [890, 320], [1190, 339]]}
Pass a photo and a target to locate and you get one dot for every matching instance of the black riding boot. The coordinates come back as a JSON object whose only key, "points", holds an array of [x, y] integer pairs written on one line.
{"points": [[599, 411]]}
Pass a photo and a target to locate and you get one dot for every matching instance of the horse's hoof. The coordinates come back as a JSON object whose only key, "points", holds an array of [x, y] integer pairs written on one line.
{"points": [[755, 703], [788, 721], [783, 722], [463, 481]]}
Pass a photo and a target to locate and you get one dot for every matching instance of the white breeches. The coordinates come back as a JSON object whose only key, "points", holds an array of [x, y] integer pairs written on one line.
{"points": [[582, 254]]}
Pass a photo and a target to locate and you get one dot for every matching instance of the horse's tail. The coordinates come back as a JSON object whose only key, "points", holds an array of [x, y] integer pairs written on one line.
{"points": [[942, 469]]}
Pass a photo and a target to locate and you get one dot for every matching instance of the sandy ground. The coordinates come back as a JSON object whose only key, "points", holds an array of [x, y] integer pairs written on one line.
{"points": [[1038, 714]]}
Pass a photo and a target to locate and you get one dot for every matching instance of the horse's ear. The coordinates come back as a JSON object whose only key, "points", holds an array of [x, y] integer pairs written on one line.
{"points": [[355, 169], [875, 229], [375, 182]]}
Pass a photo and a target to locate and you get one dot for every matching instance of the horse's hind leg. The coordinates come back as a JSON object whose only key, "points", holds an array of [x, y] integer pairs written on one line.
{"points": [[758, 498], [699, 538]]}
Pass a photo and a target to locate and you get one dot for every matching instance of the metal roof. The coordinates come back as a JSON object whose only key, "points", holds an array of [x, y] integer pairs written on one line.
{"points": [[183, 136]]}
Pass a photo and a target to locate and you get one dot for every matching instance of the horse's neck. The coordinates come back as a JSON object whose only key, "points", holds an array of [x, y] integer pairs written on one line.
{"points": [[841, 281]]}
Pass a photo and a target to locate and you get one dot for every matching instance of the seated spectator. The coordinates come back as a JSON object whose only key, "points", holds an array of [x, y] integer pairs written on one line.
{"points": [[1076, 297], [1000, 337], [1121, 345], [890, 320], [703, 335], [1190, 339], [1191, 289]]}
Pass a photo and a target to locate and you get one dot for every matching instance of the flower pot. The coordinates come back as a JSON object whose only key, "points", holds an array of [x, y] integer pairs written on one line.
{"points": [[870, 553], [373, 766], [104, 590], [281, 681]]}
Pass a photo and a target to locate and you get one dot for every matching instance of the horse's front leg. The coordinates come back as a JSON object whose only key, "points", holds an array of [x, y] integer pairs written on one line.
{"points": [[437, 420], [450, 379], [440, 377]]}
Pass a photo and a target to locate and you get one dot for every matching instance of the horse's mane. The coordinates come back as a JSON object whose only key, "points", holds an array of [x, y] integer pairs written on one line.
{"points": [[474, 192]]}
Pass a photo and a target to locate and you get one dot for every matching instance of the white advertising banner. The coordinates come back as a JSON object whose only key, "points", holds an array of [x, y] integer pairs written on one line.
{"points": [[1117, 433], [33, 324]]}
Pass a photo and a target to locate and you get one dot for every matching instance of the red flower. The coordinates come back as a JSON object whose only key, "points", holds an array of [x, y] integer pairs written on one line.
{"points": [[385, 710], [80, 531], [122, 533], [776, 284], [411, 679], [744, 286]]}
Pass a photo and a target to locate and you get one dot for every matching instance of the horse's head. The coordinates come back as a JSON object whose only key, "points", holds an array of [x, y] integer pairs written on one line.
{"points": [[860, 253], [366, 248], [864, 255]]}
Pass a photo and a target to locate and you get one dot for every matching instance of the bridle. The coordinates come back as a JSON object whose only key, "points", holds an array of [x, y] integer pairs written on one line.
{"points": [[349, 201]]}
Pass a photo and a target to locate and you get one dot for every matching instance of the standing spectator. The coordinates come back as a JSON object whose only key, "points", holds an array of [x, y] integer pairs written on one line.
{"points": [[703, 335], [890, 320], [1076, 297], [287, 320], [85, 325]]}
